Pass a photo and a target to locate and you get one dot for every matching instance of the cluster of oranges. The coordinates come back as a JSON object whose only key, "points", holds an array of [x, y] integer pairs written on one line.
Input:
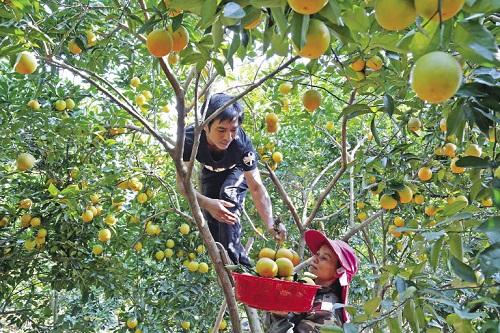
{"points": [[279, 263]]}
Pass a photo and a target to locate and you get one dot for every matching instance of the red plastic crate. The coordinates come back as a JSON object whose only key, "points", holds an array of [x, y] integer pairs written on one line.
{"points": [[274, 294]]}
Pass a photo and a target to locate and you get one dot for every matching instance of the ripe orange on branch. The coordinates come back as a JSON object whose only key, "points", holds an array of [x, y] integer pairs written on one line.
{"points": [[429, 8], [25, 63], [311, 100], [395, 14], [317, 40], [159, 42], [180, 39], [307, 6], [436, 77]]}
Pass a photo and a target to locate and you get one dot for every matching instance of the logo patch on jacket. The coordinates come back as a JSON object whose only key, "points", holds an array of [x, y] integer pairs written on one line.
{"points": [[249, 158]]}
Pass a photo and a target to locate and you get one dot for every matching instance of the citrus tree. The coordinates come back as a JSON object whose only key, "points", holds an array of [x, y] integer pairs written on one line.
{"points": [[375, 121]]}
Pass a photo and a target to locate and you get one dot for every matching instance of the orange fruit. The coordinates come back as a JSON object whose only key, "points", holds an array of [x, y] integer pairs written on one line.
{"points": [[392, 230], [97, 249], [173, 58], [266, 267], [424, 173], [414, 124], [253, 23], [33, 104], [271, 119], [132, 323], [388, 202], [317, 40], [285, 87], [135, 82], [104, 235], [473, 150], [395, 14], [25, 63], [399, 221], [87, 216], [284, 253], [362, 216], [307, 6], [358, 65], [449, 149], [180, 39], [406, 194], [159, 42], [429, 8], [277, 157], [296, 258], [311, 100], [267, 253], [73, 47], [91, 38], [25, 161], [419, 199], [454, 168], [436, 77], [60, 105], [285, 267], [25, 203], [430, 210], [375, 63], [442, 125]]}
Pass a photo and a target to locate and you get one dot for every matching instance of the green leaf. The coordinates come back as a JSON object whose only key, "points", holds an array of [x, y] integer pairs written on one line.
{"points": [[411, 316], [373, 129], [455, 244], [217, 33], [332, 13], [388, 104], [219, 67], [394, 325], [473, 162], [356, 19], [268, 3], [489, 260], [462, 270], [354, 110], [53, 190], [280, 19], [491, 227], [460, 325], [435, 253], [235, 44], [371, 305], [475, 43], [455, 122], [300, 25], [208, 11]]}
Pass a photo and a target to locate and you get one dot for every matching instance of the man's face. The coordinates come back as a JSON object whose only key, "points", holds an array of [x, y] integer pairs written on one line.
{"points": [[324, 265], [221, 133]]}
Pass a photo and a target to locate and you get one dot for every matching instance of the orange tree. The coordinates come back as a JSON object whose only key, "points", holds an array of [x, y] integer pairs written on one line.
{"points": [[382, 131]]}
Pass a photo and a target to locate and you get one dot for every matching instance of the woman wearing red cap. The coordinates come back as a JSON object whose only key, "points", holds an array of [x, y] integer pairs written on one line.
{"points": [[334, 264]]}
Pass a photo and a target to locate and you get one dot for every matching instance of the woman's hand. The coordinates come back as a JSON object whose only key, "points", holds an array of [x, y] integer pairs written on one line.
{"points": [[218, 209]]}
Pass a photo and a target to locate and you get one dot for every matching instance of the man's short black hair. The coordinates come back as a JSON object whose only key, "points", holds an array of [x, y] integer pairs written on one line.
{"points": [[233, 111]]}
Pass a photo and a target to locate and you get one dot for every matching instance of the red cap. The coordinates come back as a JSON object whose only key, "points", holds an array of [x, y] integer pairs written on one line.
{"points": [[347, 258]]}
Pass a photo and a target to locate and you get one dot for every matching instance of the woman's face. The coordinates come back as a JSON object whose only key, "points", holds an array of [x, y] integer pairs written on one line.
{"points": [[324, 266]]}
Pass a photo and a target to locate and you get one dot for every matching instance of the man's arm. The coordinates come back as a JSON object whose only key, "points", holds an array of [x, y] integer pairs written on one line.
{"points": [[215, 207], [262, 203]]}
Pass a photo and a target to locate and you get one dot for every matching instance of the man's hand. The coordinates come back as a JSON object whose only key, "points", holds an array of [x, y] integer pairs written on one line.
{"points": [[217, 208], [278, 231]]}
